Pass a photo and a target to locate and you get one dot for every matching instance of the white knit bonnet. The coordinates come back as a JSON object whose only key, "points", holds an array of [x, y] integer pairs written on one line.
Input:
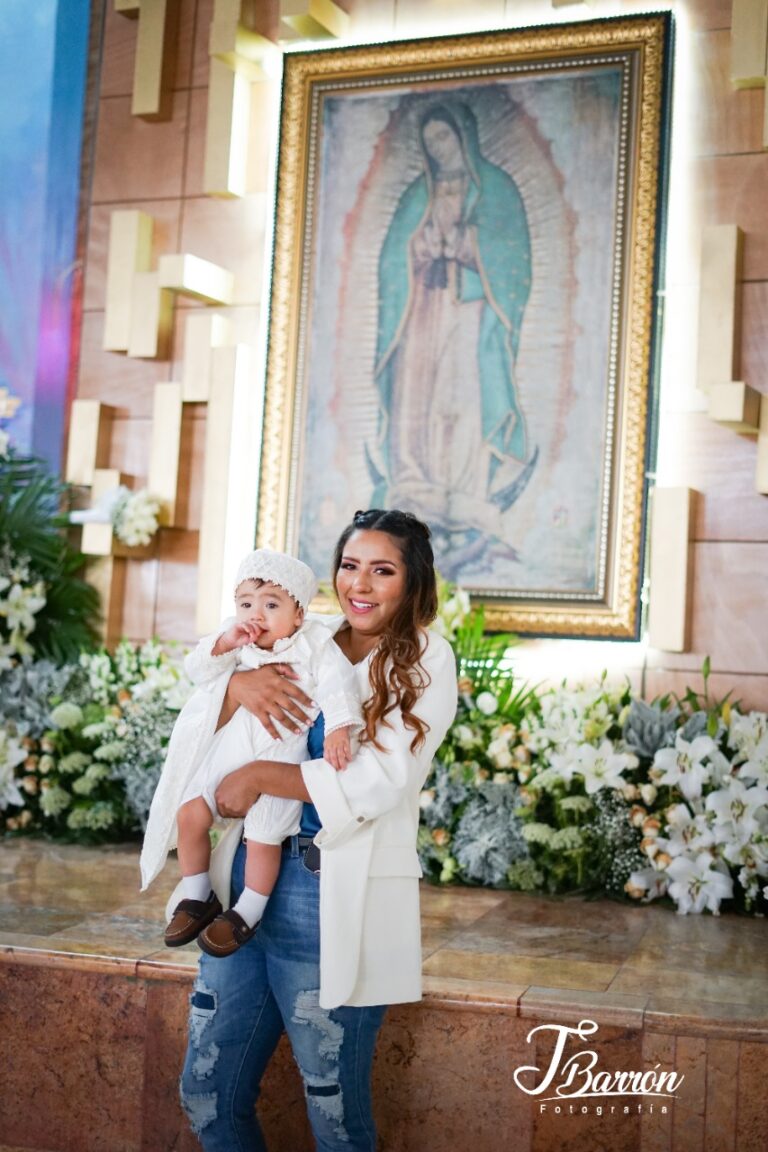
{"points": [[293, 575]]}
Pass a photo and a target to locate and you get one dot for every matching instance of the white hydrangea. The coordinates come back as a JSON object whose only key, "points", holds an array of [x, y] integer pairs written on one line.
{"points": [[135, 517]]}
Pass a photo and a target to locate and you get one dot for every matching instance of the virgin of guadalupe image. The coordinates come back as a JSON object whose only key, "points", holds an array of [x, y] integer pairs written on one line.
{"points": [[454, 277]]}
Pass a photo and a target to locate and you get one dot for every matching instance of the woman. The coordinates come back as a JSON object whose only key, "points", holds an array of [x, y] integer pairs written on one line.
{"points": [[340, 938], [454, 280]]}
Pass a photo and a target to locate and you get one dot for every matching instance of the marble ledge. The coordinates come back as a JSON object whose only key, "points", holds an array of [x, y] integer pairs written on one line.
{"points": [[46, 958], [707, 1019], [568, 1006]]}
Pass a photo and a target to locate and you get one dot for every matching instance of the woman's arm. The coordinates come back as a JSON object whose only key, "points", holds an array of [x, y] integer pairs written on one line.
{"points": [[375, 781], [270, 694], [240, 789]]}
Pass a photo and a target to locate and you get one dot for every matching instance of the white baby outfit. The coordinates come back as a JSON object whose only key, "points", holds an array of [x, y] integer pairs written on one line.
{"points": [[199, 757], [324, 674]]}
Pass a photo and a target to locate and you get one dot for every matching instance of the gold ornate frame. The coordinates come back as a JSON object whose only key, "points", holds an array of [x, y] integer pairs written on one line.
{"points": [[642, 44]]}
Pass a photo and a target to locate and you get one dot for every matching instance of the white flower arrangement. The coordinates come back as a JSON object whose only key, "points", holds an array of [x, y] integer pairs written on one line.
{"points": [[587, 787], [135, 517], [21, 599]]}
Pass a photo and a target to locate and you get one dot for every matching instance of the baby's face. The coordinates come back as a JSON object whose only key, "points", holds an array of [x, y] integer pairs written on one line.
{"points": [[270, 608]]}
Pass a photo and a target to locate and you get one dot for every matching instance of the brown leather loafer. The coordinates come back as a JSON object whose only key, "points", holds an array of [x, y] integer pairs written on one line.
{"points": [[189, 918], [226, 934]]}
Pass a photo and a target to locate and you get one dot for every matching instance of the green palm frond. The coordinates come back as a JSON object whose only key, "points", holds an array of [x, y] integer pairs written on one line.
{"points": [[33, 528], [484, 658]]}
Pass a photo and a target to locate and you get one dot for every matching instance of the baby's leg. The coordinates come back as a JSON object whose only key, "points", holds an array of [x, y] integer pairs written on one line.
{"points": [[194, 822], [199, 904], [262, 865]]}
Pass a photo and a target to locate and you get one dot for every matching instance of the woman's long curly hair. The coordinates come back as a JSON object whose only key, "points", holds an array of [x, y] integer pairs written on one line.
{"points": [[397, 678]]}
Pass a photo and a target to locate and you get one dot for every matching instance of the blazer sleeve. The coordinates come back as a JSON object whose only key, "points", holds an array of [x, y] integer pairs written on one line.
{"points": [[336, 692], [375, 781]]}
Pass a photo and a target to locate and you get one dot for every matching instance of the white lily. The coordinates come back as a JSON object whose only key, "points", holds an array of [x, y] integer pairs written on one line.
{"points": [[11, 755], [685, 833], [602, 767], [684, 765], [740, 812], [698, 883]]}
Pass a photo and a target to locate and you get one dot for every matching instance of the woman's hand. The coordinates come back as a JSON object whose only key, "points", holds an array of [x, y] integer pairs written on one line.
{"points": [[270, 694], [237, 792], [242, 788]]}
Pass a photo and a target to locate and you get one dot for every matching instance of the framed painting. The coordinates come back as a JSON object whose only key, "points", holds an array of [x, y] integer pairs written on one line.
{"points": [[463, 301]]}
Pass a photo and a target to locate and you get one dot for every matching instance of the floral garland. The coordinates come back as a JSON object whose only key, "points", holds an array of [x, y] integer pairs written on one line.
{"points": [[587, 788], [82, 761]]}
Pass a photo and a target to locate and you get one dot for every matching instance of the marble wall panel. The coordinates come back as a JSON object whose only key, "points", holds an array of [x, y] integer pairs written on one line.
{"points": [[124, 382], [721, 1093], [230, 233], [176, 592], [579, 1126], [428, 1061], [166, 238], [200, 54], [754, 341], [82, 1055], [164, 1125], [725, 119], [688, 1122], [730, 591], [139, 603], [731, 190], [119, 49], [720, 465], [713, 14], [751, 1111], [656, 1127], [138, 159]]}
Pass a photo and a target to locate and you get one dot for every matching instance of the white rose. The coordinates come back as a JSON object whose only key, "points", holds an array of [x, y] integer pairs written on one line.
{"points": [[648, 793], [487, 703], [498, 750]]}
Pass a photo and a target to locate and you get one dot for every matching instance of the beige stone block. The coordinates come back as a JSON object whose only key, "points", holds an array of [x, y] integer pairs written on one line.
{"points": [[151, 318], [203, 331], [163, 477], [89, 438], [761, 470], [155, 58], [749, 42], [671, 558], [227, 131], [721, 252], [192, 276], [736, 405], [312, 20], [98, 539], [230, 483], [129, 252]]}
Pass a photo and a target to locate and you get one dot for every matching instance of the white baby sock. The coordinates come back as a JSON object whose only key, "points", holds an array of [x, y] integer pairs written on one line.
{"points": [[196, 887], [251, 906]]}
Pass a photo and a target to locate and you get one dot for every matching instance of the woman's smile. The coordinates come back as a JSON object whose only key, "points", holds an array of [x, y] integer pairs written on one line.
{"points": [[370, 582]]}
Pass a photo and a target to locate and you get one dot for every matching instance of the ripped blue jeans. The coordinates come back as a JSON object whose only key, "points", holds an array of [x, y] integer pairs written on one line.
{"points": [[239, 1008]]}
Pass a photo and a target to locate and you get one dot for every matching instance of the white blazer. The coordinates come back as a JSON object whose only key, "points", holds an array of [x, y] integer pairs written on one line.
{"points": [[370, 925]]}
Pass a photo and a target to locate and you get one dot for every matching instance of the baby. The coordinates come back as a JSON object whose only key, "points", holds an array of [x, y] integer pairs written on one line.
{"points": [[272, 593]]}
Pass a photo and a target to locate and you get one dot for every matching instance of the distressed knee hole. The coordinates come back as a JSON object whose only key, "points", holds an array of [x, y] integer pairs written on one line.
{"points": [[307, 1011], [203, 1004], [200, 1109]]}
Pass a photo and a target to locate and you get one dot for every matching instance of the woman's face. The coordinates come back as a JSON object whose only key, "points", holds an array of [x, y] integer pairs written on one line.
{"points": [[370, 582], [442, 144]]}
